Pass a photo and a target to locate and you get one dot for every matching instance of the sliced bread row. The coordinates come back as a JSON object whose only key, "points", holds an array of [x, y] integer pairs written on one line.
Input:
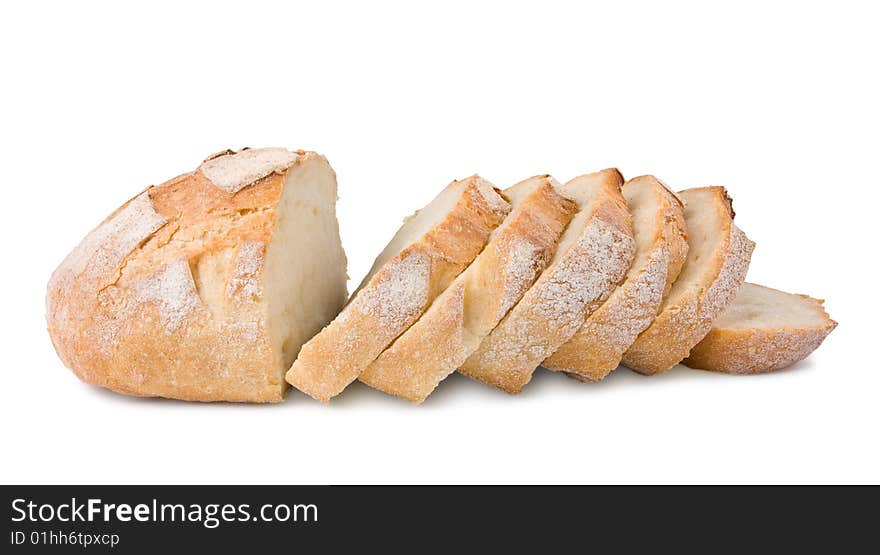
{"points": [[580, 278], [209, 286], [577, 277]]}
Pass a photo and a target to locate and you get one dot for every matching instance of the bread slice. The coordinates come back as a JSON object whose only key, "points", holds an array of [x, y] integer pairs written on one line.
{"points": [[716, 264], [661, 246], [761, 331], [204, 287], [431, 248], [593, 255], [459, 319]]}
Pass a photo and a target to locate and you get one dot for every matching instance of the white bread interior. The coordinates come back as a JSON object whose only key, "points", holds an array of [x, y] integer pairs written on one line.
{"points": [[305, 274], [757, 306]]}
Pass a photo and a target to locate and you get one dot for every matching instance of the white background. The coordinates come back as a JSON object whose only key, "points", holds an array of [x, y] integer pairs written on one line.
{"points": [[777, 101]]}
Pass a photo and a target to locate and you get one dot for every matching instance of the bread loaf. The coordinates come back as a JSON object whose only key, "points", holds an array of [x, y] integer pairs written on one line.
{"points": [[717, 260], [458, 320], [761, 331], [204, 287], [431, 248], [661, 246], [594, 253]]}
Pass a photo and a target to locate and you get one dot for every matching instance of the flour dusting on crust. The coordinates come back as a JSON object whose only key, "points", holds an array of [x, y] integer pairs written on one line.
{"points": [[401, 294], [632, 307], [583, 275], [522, 266], [678, 328], [495, 201], [244, 282], [554, 308], [233, 172], [755, 351], [597, 347], [101, 253], [174, 292], [732, 275]]}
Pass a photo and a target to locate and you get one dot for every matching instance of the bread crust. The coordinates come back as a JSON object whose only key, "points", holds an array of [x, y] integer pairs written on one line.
{"points": [[452, 328], [598, 346], [573, 286], [164, 297], [759, 350], [398, 293], [684, 321]]}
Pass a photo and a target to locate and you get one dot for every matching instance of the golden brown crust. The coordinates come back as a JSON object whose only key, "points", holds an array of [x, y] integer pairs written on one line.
{"points": [[758, 350], [398, 294], [598, 346], [163, 298], [685, 319], [452, 328], [573, 286]]}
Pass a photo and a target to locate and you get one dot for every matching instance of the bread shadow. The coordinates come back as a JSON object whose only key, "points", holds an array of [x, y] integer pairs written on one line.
{"points": [[459, 390], [799, 366], [111, 396]]}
